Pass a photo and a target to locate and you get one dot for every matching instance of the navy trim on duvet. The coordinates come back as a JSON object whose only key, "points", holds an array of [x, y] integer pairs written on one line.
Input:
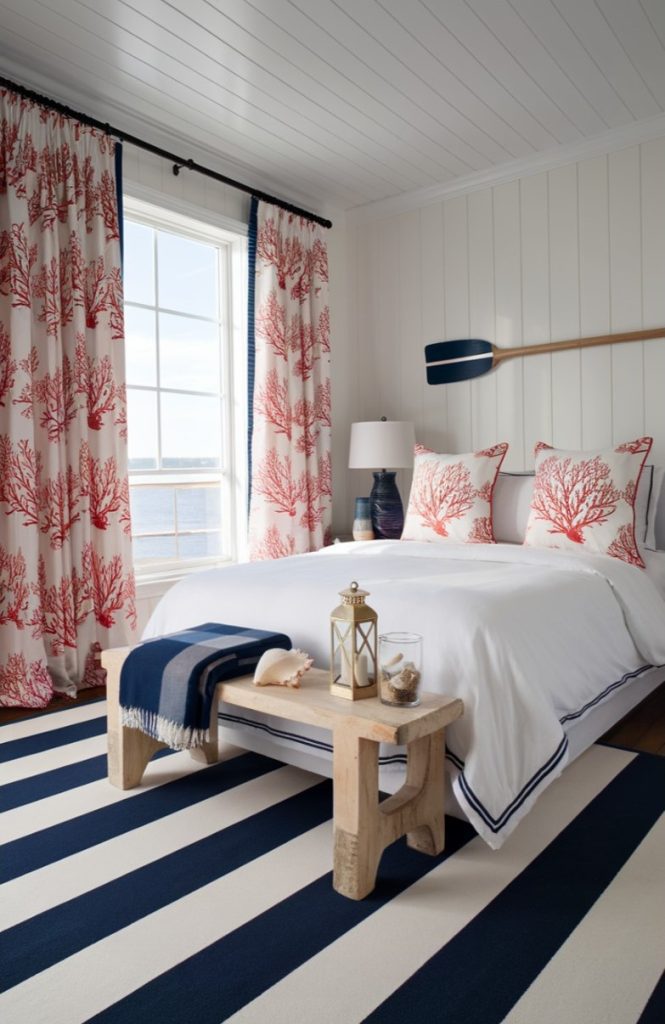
{"points": [[608, 689], [494, 824]]}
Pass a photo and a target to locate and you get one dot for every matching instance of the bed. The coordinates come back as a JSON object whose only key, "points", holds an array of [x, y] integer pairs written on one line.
{"points": [[547, 649]]}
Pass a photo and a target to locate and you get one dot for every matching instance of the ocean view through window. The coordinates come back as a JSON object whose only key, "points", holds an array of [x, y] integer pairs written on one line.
{"points": [[184, 287]]}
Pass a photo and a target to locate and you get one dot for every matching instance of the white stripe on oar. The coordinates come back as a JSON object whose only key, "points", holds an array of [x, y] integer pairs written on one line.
{"points": [[460, 359], [407, 931], [128, 959], [52, 720], [54, 757], [70, 877], [625, 928], [72, 803]]}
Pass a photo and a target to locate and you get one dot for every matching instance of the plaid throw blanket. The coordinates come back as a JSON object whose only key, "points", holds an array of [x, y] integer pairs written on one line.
{"points": [[167, 684]]}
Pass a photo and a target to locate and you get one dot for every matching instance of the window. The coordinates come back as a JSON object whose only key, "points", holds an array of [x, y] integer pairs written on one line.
{"points": [[184, 285]]}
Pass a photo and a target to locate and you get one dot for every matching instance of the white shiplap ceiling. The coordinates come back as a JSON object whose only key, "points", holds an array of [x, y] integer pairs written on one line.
{"points": [[346, 102]]}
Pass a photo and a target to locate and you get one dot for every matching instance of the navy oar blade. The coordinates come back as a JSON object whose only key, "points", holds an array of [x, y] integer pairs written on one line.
{"points": [[438, 350], [450, 361], [448, 373]]}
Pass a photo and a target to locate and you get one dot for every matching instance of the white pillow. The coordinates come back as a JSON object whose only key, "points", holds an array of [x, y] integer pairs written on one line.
{"points": [[654, 482], [510, 506], [512, 501]]}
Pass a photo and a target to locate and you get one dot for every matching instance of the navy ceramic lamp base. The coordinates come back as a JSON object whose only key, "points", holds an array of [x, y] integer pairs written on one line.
{"points": [[386, 507]]}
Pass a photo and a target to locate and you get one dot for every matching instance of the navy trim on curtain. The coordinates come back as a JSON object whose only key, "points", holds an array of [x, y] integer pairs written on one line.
{"points": [[251, 340], [118, 188]]}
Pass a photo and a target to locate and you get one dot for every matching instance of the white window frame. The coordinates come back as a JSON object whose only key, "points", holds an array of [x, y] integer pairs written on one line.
{"points": [[158, 211]]}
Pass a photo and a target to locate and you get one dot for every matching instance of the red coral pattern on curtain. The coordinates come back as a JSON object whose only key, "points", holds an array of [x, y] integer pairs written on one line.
{"points": [[588, 499], [290, 509], [66, 580]]}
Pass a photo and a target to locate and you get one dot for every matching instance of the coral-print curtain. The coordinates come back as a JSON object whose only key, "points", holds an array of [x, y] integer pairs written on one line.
{"points": [[291, 487], [66, 581]]}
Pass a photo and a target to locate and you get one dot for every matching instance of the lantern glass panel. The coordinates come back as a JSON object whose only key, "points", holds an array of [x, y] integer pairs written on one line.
{"points": [[342, 642]]}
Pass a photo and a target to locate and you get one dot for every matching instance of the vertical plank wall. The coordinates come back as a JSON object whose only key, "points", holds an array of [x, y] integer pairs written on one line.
{"points": [[573, 251]]}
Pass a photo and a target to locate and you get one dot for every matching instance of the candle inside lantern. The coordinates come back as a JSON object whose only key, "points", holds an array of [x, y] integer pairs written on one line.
{"points": [[362, 676]]}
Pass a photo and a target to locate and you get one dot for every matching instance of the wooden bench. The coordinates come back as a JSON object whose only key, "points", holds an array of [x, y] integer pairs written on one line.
{"points": [[363, 826]]}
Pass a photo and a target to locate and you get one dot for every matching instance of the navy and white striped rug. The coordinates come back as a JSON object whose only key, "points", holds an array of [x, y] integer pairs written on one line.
{"points": [[205, 895]]}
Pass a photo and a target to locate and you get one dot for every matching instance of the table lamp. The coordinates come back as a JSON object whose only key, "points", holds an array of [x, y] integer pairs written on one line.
{"points": [[383, 443]]}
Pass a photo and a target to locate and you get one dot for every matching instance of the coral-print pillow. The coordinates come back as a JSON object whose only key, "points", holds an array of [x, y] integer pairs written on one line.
{"points": [[451, 496], [586, 500]]}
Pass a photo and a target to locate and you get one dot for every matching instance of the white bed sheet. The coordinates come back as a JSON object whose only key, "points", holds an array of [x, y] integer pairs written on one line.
{"points": [[530, 640]]}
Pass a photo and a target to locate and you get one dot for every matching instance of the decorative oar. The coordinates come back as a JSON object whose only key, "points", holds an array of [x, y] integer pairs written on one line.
{"points": [[449, 361]]}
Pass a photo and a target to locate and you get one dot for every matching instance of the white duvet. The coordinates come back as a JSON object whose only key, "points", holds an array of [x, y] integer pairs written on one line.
{"points": [[528, 638]]}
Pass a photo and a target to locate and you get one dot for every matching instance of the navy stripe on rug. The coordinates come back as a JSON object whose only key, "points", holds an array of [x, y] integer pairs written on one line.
{"points": [[654, 1011], [482, 972], [34, 851], [218, 981], [41, 741], [43, 940], [59, 780]]}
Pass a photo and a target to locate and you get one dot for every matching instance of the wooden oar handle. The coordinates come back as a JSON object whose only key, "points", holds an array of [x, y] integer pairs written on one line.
{"points": [[562, 346]]}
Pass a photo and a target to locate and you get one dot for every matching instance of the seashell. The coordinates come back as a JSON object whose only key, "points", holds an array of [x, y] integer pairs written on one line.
{"points": [[407, 679], [281, 668]]}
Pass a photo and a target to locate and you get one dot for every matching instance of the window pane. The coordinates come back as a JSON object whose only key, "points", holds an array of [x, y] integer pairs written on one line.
{"points": [[188, 353], [138, 259], [198, 508], [187, 273], [199, 545], [154, 547], [140, 347], [190, 432], [142, 429], [153, 509]]}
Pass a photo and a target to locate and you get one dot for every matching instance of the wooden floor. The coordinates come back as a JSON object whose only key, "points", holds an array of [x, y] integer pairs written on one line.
{"points": [[57, 704], [643, 729]]}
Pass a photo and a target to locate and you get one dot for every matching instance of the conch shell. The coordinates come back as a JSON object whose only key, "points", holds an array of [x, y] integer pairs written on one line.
{"points": [[281, 668]]}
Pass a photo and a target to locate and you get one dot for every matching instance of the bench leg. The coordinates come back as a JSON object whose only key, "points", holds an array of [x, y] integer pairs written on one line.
{"points": [[417, 809], [129, 750], [358, 846], [364, 827], [425, 773]]}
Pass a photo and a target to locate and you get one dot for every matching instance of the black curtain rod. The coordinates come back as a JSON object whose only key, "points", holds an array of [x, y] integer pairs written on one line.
{"points": [[176, 160]]}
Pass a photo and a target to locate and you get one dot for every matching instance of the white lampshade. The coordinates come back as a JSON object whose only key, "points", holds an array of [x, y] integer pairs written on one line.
{"points": [[381, 444]]}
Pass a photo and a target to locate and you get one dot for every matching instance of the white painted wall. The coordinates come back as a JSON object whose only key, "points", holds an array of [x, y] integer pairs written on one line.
{"points": [[144, 169], [577, 250]]}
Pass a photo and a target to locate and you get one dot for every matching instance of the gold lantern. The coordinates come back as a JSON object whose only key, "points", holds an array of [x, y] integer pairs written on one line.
{"points": [[353, 662]]}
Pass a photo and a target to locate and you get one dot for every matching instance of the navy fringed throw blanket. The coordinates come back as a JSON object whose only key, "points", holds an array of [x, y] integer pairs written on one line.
{"points": [[167, 684]]}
